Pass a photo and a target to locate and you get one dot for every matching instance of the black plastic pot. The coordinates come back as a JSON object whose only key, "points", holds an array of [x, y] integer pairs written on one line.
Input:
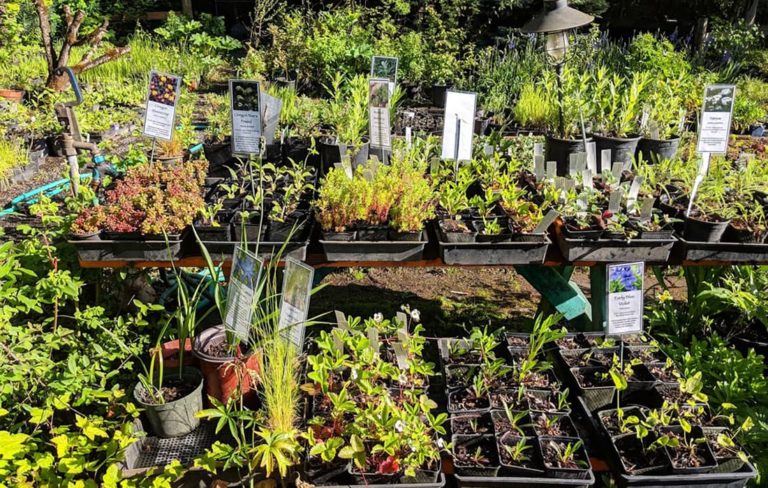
{"points": [[331, 153], [348, 236], [697, 230], [273, 153], [471, 442], [373, 233], [734, 234], [566, 473], [453, 408], [364, 479], [437, 94], [480, 237], [622, 148], [179, 417], [706, 453], [299, 150], [394, 235], [628, 412], [533, 468], [254, 229], [454, 237], [587, 234], [560, 150], [654, 150], [595, 397], [216, 233], [292, 228], [631, 439]]}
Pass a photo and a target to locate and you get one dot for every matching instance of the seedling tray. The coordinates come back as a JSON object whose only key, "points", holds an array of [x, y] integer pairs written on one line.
{"points": [[487, 253], [107, 250], [297, 250], [393, 251], [724, 251], [522, 482], [615, 251], [439, 484], [736, 479], [151, 451]]}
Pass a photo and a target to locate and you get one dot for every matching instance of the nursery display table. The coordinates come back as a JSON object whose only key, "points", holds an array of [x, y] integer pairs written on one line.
{"points": [[552, 278]]}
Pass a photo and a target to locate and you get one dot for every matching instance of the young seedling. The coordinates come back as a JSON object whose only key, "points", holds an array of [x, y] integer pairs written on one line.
{"points": [[517, 452], [515, 418]]}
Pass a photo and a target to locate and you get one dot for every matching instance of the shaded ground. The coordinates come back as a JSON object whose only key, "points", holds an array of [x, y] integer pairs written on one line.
{"points": [[448, 298]]}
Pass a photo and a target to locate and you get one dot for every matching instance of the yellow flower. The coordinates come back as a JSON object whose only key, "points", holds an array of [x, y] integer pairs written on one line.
{"points": [[664, 296]]}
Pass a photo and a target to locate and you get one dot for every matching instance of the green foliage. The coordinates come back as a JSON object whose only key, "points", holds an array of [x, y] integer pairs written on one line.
{"points": [[657, 56], [534, 109]]}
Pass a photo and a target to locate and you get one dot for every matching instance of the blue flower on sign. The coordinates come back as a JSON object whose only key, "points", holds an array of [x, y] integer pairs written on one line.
{"points": [[624, 278]]}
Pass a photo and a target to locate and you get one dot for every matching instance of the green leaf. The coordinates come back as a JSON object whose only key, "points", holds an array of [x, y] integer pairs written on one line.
{"points": [[39, 415], [11, 444]]}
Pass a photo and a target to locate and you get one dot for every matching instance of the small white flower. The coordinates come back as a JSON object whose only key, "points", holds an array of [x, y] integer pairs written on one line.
{"points": [[402, 379], [399, 426], [440, 443], [378, 317], [353, 375], [415, 315]]}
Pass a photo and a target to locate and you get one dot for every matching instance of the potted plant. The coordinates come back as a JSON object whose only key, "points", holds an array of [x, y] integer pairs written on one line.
{"points": [[618, 106], [347, 115], [213, 223], [287, 218], [88, 225], [566, 135], [666, 120], [300, 118], [336, 208], [564, 457], [534, 110], [747, 225], [709, 218], [475, 456]]}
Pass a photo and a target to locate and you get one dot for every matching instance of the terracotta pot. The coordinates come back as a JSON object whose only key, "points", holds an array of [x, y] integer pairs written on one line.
{"points": [[12, 95], [171, 354], [223, 375]]}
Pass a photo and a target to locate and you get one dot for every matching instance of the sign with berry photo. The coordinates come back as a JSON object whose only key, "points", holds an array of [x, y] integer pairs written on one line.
{"points": [[162, 98], [245, 99]]}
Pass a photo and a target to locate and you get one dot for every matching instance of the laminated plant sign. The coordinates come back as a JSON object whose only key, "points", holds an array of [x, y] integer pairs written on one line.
{"points": [[458, 125], [385, 67], [624, 303], [162, 98], [241, 293], [294, 309], [271, 115], [378, 113], [716, 115], [245, 99]]}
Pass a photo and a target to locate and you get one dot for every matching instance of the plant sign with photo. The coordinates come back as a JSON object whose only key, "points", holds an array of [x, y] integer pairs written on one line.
{"points": [[624, 303]]}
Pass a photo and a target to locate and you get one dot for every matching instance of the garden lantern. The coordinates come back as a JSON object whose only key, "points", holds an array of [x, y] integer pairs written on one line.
{"points": [[556, 20]]}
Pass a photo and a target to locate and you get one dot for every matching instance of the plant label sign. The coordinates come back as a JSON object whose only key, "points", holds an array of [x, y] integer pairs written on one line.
{"points": [[385, 68], [458, 125], [294, 309], [241, 293], [162, 98], [378, 113], [716, 115], [271, 115], [245, 104], [624, 303]]}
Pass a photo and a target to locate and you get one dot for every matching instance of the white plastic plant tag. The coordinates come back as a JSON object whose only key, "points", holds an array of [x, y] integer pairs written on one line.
{"points": [[605, 160], [341, 320], [573, 164], [538, 149], [400, 356], [569, 184], [560, 182], [614, 201], [592, 157], [373, 339], [617, 169], [551, 169], [402, 336], [346, 163], [653, 129], [634, 189], [681, 125], [538, 168], [402, 321], [646, 210], [586, 178], [488, 150], [338, 343], [644, 118], [546, 221], [408, 137], [582, 203]]}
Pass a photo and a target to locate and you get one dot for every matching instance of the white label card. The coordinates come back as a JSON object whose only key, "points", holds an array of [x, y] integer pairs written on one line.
{"points": [[271, 115], [245, 100], [551, 169], [646, 210], [458, 125], [341, 319], [378, 113], [586, 178], [546, 221], [605, 160], [538, 167], [617, 169], [614, 201], [294, 309], [400, 355], [538, 149], [716, 112], [373, 339], [624, 304], [242, 292], [162, 98]]}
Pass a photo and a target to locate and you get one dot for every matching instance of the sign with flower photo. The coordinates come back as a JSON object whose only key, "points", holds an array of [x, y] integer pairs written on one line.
{"points": [[716, 112], [294, 309], [625, 298]]}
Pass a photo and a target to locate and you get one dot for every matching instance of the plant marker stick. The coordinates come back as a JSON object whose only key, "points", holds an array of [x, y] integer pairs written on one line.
{"points": [[152, 156], [546, 221], [605, 160], [456, 146], [703, 170]]}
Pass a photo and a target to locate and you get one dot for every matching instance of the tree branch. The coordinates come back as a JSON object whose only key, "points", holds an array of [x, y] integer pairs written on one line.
{"points": [[104, 58], [95, 37], [45, 31], [70, 38]]}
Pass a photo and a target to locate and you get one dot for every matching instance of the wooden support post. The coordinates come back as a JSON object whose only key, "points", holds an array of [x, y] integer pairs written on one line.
{"points": [[556, 288]]}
